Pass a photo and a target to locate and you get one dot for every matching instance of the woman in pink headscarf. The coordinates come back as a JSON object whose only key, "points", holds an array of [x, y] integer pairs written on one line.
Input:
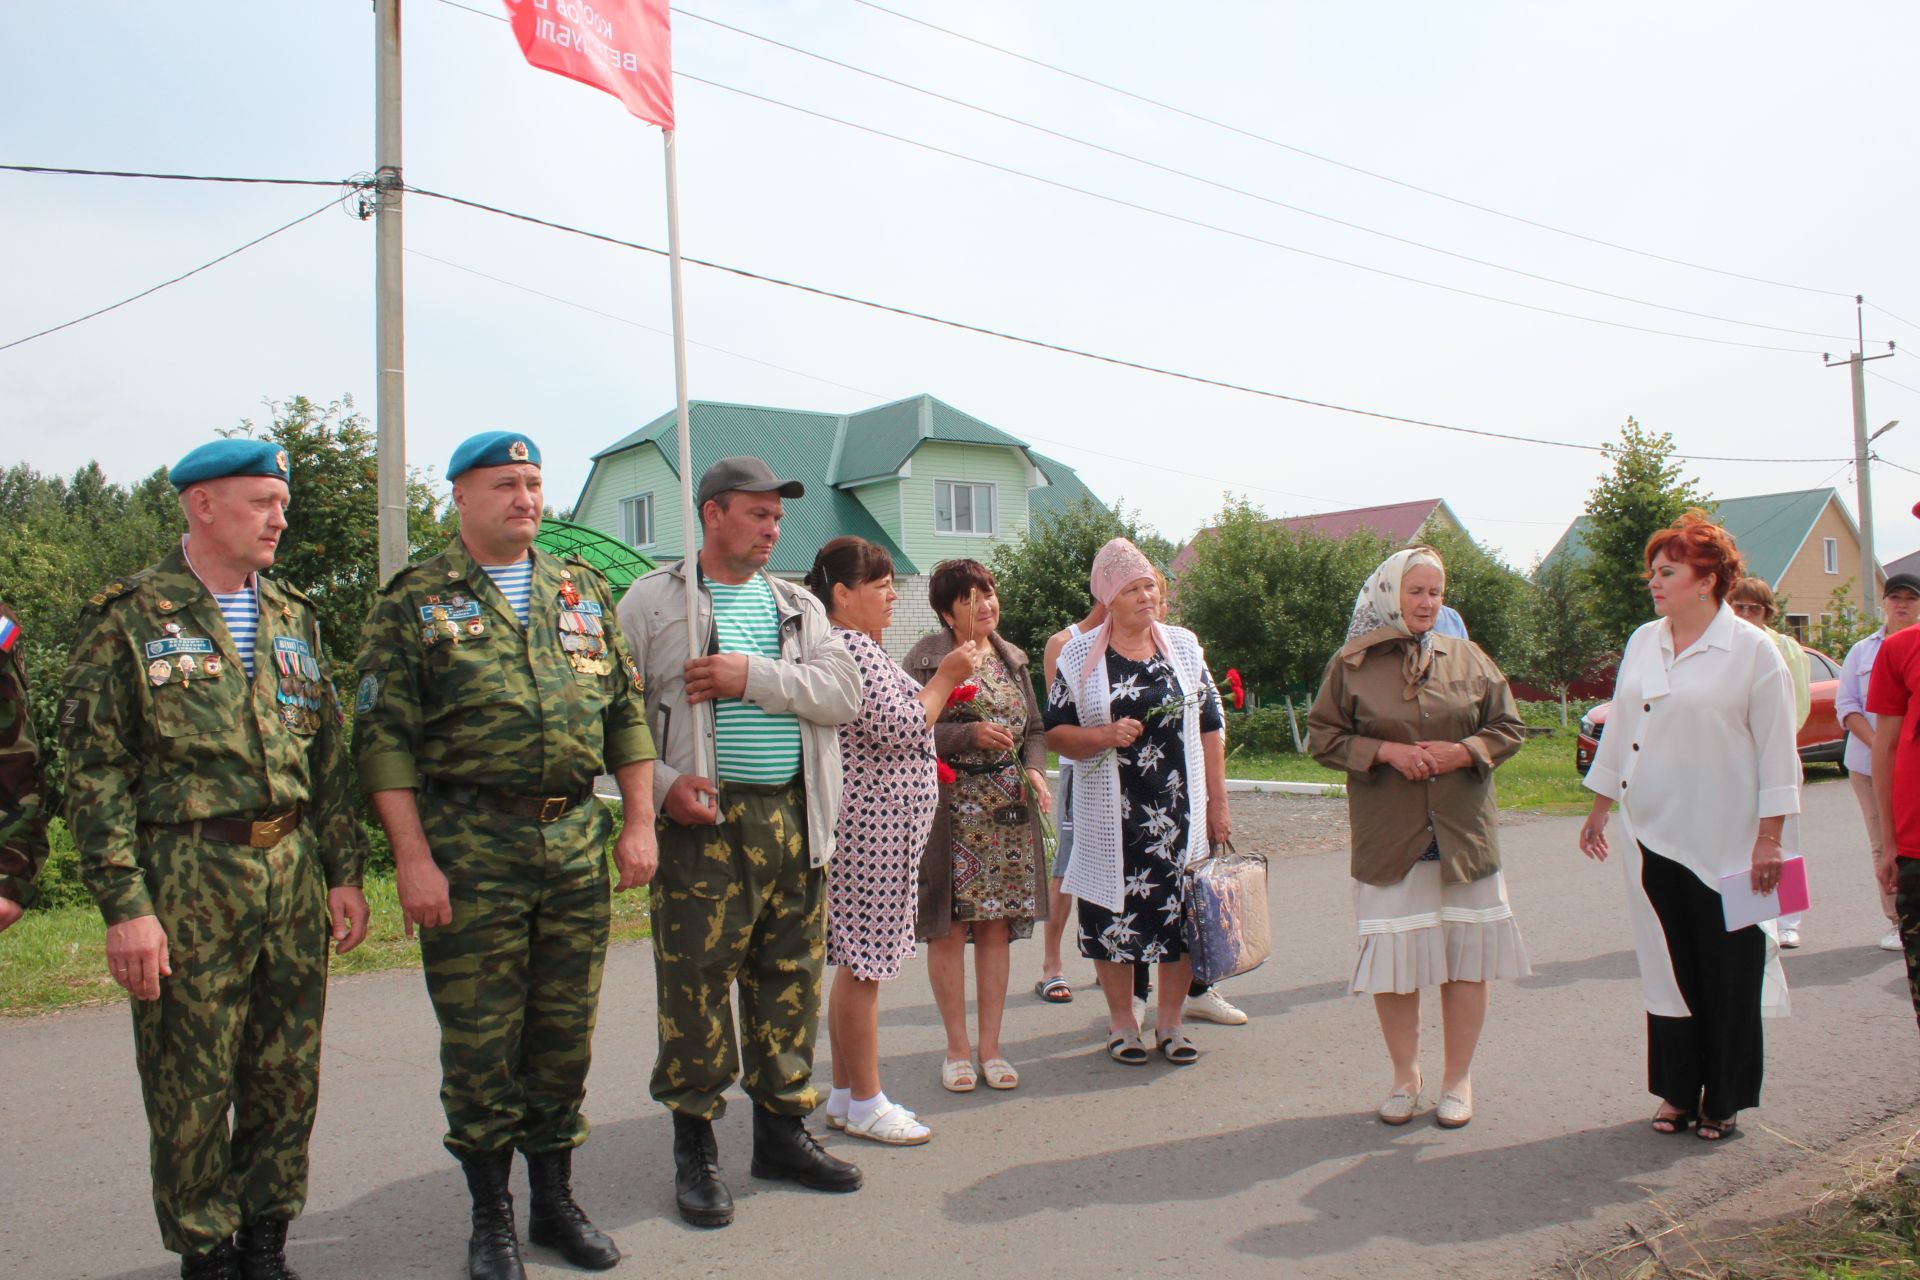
{"points": [[1132, 704]]}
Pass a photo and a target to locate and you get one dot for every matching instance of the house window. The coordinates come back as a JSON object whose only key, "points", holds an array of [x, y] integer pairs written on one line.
{"points": [[1830, 548], [1798, 626], [963, 508], [636, 520]]}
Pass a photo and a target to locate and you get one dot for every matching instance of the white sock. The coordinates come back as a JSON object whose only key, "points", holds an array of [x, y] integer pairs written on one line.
{"points": [[862, 1110], [837, 1101]]}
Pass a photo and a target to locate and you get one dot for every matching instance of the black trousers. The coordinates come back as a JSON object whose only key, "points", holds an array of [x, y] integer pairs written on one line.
{"points": [[1712, 1060], [1143, 984]]}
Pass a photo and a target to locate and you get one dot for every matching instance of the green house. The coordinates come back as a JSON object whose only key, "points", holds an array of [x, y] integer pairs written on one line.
{"points": [[918, 476]]}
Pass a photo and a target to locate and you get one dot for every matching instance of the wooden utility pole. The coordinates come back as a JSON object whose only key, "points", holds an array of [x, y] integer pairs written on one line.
{"points": [[390, 413]]}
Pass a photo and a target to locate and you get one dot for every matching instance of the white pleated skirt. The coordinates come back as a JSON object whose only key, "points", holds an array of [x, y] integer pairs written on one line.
{"points": [[1421, 933]]}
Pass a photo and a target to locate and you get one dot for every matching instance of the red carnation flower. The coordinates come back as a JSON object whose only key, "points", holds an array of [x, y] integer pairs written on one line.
{"points": [[945, 773], [963, 693], [1239, 689]]}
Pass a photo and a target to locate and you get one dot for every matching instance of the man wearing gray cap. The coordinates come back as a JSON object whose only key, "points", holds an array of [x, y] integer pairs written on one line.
{"points": [[748, 786]]}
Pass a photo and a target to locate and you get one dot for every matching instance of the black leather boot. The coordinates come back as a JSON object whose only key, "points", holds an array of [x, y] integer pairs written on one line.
{"points": [[493, 1251], [217, 1263], [703, 1199], [556, 1221], [262, 1247], [782, 1148]]}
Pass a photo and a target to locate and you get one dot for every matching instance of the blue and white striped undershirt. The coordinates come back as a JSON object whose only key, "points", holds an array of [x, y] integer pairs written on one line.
{"points": [[516, 584], [241, 609]]}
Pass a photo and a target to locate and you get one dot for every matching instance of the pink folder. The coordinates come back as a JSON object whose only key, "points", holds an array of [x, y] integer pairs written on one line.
{"points": [[1742, 906]]}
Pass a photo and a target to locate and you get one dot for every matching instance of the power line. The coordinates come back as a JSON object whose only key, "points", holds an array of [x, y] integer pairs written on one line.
{"points": [[1896, 466], [1902, 319], [1342, 164], [1872, 373], [1044, 345], [1242, 191], [1229, 231], [182, 177], [182, 276], [608, 315]]}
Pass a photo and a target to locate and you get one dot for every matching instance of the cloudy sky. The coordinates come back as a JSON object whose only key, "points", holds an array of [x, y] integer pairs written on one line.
{"points": [[1754, 140]]}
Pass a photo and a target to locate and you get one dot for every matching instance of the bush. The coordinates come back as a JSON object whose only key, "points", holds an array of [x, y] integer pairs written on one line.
{"points": [[1263, 731], [60, 884]]}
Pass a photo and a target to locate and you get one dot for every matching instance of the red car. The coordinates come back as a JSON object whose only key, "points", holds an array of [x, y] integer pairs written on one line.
{"points": [[1822, 740]]}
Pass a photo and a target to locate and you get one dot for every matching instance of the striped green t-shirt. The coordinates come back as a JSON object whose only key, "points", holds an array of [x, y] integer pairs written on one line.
{"points": [[753, 744]]}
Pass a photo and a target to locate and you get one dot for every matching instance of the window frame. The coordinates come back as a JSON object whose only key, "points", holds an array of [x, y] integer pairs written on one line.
{"points": [[974, 487], [1830, 555], [626, 519], [1804, 632]]}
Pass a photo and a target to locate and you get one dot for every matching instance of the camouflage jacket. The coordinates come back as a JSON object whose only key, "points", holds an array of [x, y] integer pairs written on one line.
{"points": [[23, 818], [452, 687], [161, 724]]}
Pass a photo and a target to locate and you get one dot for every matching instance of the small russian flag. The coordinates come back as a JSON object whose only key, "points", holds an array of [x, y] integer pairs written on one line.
{"points": [[9, 634]]}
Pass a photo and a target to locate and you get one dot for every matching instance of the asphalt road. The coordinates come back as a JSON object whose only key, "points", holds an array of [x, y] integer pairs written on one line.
{"points": [[1262, 1159]]}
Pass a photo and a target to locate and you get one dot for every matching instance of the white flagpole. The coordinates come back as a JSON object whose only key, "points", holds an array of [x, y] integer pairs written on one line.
{"points": [[689, 526]]}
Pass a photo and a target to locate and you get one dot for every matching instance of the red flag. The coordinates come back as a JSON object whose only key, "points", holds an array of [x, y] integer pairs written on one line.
{"points": [[620, 46]]}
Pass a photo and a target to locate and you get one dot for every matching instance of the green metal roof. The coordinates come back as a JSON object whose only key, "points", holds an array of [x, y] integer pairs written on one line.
{"points": [[1769, 528], [1063, 488], [875, 442], [797, 444], [825, 451], [618, 561]]}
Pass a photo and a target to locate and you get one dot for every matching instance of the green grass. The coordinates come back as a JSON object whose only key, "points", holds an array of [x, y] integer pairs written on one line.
{"points": [[56, 958], [1540, 776]]}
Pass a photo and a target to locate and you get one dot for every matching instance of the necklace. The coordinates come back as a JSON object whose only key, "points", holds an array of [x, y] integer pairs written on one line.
{"points": [[1138, 648]]}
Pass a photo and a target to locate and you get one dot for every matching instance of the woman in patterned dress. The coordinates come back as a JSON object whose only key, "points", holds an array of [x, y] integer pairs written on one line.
{"points": [[1133, 705], [886, 812], [983, 878]]}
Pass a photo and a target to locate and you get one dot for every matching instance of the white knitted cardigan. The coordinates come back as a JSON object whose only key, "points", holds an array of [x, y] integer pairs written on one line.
{"points": [[1095, 872]]}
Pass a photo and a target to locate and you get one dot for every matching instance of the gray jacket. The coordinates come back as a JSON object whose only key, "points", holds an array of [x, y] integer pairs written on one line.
{"points": [[814, 680]]}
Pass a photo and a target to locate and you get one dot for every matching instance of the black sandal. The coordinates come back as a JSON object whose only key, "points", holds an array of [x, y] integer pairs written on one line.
{"points": [[1714, 1130], [1675, 1123]]}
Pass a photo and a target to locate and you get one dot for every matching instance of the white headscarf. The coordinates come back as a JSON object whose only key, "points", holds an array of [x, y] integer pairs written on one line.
{"points": [[1377, 617]]}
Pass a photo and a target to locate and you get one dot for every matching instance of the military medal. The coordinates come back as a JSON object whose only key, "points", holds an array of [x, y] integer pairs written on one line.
{"points": [[172, 628], [158, 672], [569, 594], [186, 665], [476, 627]]}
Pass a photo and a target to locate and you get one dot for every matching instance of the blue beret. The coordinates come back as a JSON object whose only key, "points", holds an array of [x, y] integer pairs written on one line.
{"points": [[492, 449], [231, 458]]}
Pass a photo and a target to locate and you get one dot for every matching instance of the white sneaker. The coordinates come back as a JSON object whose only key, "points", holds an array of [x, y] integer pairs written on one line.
{"points": [[1789, 938], [1892, 941], [1211, 1006]]}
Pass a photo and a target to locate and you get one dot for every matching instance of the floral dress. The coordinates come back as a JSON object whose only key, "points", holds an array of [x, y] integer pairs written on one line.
{"points": [[1154, 811], [994, 858], [886, 811]]}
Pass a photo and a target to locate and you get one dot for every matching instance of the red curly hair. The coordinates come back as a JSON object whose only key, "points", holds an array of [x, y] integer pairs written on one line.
{"points": [[1702, 546]]}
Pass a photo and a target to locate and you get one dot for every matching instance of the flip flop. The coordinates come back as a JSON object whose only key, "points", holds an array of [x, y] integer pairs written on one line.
{"points": [[1053, 990]]}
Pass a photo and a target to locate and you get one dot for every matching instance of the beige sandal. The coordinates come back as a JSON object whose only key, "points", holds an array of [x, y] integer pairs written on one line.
{"points": [[999, 1073], [958, 1076]]}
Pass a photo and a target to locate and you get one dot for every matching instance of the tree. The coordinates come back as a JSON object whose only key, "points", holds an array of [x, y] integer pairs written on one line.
{"points": [[1560, 643], [1642, 494], [1492, 598], [1271, 601], [1841, 624], [1042, 574]]}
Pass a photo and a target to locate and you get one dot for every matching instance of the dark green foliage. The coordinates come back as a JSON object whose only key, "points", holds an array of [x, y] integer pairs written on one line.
{"points": [[1042, 575], [1642, 494]]}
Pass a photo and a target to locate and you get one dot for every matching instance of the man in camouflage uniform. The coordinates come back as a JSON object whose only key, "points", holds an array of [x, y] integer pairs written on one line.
{"points": [[493, 689], [741, 898], [23, 819], [213, 812]]}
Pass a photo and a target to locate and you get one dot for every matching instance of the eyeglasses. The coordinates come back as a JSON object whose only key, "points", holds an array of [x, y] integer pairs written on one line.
{"points": [[1759, 609]]}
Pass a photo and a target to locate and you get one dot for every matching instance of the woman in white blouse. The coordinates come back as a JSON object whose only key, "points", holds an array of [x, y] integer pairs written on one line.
{"points": [[1699, 754]]}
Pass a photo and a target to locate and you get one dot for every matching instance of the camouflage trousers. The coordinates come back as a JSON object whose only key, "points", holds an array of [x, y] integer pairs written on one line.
{"points": [[236, 1029], [515, 978], [1907, 902], [739, 904]]}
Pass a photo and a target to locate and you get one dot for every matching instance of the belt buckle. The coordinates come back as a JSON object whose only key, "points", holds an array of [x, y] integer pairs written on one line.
{"points": [[553, 808], [1013, 815], [265, 835]]}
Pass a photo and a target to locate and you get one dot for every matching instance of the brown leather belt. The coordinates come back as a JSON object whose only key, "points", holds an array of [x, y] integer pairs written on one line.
{"points": [[469, 796], [263, 834]]}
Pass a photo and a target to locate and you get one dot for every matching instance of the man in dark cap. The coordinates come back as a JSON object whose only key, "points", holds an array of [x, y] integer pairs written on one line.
{"points": [[209, 795], [749, 784], [493, 690]]}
